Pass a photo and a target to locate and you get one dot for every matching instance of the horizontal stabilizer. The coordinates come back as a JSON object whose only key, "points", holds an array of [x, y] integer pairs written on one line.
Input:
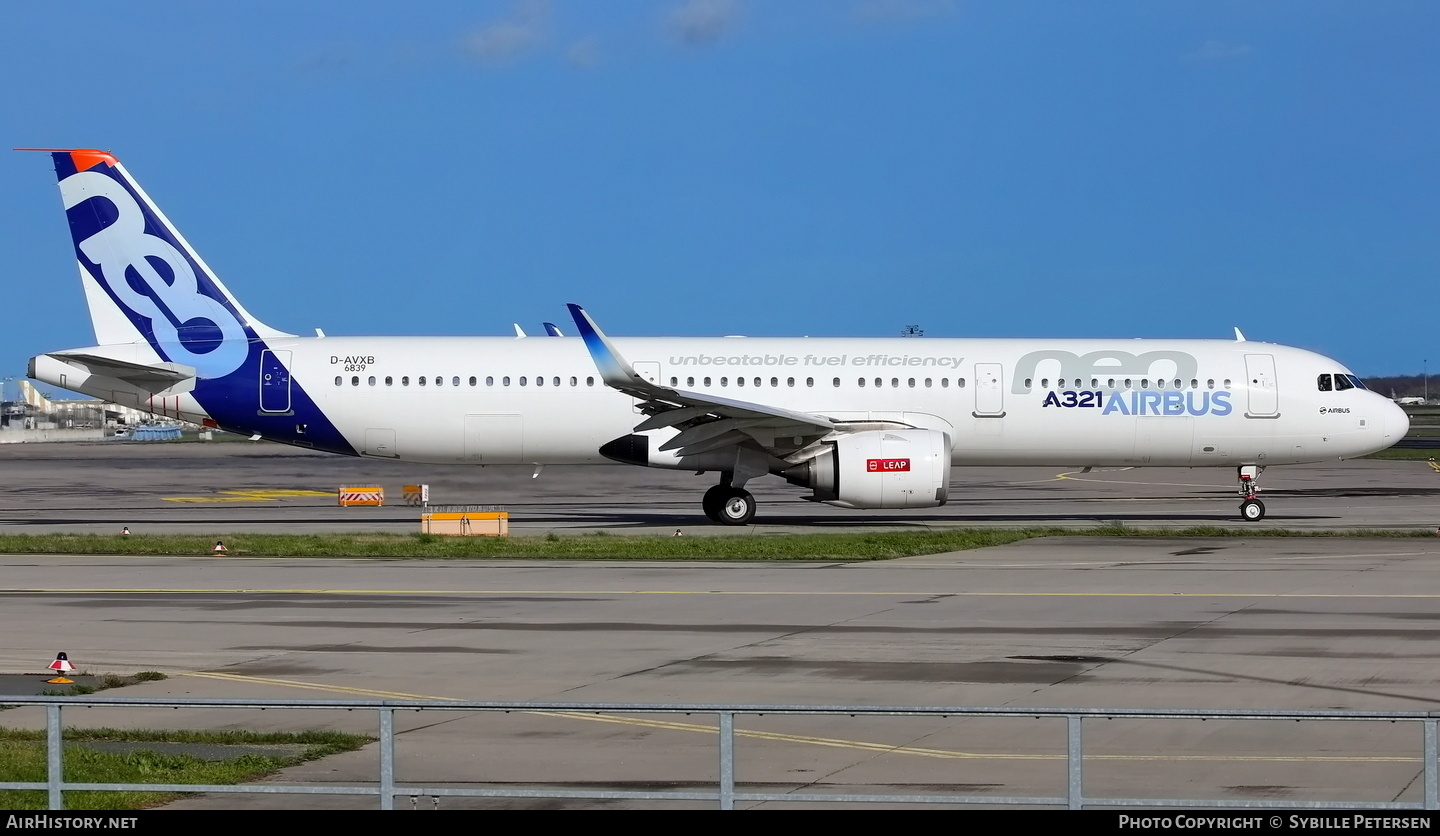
{"points": [[152, 377]]}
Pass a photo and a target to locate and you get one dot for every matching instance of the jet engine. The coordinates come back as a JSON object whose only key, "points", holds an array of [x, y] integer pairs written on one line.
{"points": [[879, 469]]}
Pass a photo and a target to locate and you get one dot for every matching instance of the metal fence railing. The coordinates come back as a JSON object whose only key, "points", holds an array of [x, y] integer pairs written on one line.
{"points": [[725, 794]]}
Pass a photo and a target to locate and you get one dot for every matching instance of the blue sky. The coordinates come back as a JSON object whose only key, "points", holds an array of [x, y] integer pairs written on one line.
{"points": [[764, 167]]}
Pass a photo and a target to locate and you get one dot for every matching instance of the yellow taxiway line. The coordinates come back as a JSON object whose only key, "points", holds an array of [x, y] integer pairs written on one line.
{"points": [[831, 742]]}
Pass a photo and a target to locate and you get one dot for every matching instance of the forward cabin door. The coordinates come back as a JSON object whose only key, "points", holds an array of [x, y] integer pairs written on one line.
{"points": [[1260, 383]]}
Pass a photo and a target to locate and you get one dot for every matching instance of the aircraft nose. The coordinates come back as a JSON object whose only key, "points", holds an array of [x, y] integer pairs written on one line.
{"points": [[1397, 423]]}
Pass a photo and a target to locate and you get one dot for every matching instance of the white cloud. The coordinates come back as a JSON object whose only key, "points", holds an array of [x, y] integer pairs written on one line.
{"points": [[702, 22], [506, 39], [584, 52]]}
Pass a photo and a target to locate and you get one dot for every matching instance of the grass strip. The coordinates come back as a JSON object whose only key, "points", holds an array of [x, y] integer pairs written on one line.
{"points": [[22, 758], [834, 547]]}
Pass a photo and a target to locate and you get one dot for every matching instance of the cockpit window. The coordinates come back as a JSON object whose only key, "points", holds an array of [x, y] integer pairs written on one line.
{"points": [[1324, 382], [1359, 384], [1342, 382]]}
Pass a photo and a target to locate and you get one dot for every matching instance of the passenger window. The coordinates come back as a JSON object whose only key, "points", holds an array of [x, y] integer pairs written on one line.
{"points": [[707, 382], [372, 380], [960, 384], [944, 383], [835, 383], [1044, 383], [523, 380], [421, 381], [489, 380], [1028, 382], [589, 381], [555, 382], [574, 381], [405, 381], [472, 381], [338, 380], [894, 383], [912, 383], [389, 381], [739, 381], [862, 383], [927, 383], [505, 381], [355, 381], [1144, 383], [775, 381], [539, 380], [455, 381], [1227, 383], [757, 381], [1160, 384], [1094, 383], [439, 381], [724, 381]]}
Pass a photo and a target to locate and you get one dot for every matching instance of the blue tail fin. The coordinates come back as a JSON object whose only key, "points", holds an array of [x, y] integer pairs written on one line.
{"points": [[142, 280]]}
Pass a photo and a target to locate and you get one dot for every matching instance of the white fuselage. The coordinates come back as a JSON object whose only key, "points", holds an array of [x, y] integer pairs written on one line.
{"points": [[539, 400]]}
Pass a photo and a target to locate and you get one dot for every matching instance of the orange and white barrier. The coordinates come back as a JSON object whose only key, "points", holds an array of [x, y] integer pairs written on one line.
{"points": [[362, 496], [416, 494]]}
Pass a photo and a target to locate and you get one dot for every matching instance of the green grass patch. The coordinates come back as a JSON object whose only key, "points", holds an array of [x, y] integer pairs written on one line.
{"points": [[840, 547], [22, 758]]}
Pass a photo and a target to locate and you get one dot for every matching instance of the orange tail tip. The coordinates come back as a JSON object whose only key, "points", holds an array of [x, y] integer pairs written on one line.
{"points": [[84, 158]]}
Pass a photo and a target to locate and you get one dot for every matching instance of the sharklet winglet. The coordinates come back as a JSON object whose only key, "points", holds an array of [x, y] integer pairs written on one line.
{"points": [[614, 369]]}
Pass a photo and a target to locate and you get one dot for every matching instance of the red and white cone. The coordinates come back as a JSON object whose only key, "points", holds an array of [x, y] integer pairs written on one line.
{"points": [[61, 663], [219, 548], [125, 531]]}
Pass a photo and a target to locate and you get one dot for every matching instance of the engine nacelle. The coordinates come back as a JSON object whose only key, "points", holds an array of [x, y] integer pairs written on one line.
{"points": [[880, 469]]}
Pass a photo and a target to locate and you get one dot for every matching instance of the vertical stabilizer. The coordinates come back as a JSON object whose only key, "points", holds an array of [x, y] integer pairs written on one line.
{"points": [[142, 280]]}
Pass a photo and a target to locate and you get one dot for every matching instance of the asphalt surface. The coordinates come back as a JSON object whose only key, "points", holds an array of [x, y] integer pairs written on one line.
{"points": [[259, 487], [1216, 623]]}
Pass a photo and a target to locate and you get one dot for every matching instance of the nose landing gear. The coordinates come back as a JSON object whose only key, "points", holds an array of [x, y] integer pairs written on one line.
{"points": [[1251, 508]]}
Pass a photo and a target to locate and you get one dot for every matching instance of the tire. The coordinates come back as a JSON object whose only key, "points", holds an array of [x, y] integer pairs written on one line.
{"points": [[738, 508], [714, 498], [1252, 510]]}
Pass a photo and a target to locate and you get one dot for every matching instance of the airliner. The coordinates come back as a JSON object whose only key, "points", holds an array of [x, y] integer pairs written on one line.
{"points": [[859, 423]]}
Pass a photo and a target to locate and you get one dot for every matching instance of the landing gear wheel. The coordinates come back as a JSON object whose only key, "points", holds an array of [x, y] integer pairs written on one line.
{"points": [[714, 498], [738, 507], [1253, 510]]}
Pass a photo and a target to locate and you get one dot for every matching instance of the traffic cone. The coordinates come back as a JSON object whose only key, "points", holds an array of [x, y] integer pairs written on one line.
{"points": [[61, 663], [219, 548], [677, 533], [125, 531]]}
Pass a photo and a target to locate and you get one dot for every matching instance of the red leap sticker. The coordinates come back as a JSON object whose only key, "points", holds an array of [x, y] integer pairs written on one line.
{"points": [[887, 465]]}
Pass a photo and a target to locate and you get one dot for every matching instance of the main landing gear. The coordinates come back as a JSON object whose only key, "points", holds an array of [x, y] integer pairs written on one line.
{"points": [[1251, 509], [729, 505]]}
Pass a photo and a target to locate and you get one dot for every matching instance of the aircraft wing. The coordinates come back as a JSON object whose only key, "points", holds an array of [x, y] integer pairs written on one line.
{"points": [[152, 377], [706, 422]]}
